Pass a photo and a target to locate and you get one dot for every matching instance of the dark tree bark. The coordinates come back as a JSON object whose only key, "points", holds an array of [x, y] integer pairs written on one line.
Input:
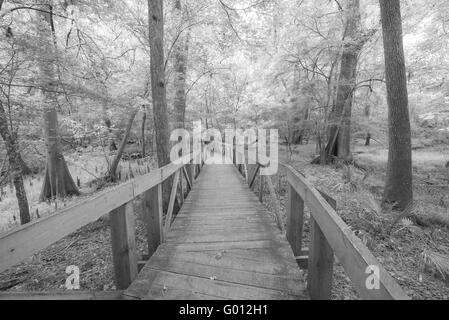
{"points": [[399, 184], [58, 181], [158, 86], [15, 164], [181, 56], [158, 91]]}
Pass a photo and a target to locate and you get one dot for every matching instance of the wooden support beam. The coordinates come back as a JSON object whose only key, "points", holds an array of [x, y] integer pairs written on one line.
{"points": [[168, 218], [181, 187], [320, 266], [245, 168], [321, 260], [188, 177], [123, 242], [152, 214], [261, 187], [254, 176], [295, 220]]}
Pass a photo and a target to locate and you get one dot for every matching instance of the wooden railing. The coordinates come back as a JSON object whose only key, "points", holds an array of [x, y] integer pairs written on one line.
{"points": [[23, 242], [330, 237]]}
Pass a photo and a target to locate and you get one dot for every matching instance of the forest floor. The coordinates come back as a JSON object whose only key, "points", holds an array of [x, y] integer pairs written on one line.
{"points": [[406, 250], [415, 251]]}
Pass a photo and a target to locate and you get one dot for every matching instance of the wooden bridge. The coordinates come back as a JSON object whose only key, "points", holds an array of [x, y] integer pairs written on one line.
{"points": [[223, 244]]}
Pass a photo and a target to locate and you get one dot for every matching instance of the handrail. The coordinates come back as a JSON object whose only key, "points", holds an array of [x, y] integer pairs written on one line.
{"points": [[330, 236], [22, 242]]}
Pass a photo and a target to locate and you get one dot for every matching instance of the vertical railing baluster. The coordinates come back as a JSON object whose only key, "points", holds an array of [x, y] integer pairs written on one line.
{"points": [[123, 243]]}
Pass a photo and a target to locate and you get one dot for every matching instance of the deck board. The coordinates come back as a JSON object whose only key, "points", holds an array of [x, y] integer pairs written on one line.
{"points": [[223, 245]]}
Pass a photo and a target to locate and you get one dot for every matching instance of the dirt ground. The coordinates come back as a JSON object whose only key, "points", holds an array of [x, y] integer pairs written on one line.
{"points": [[402, 249]]}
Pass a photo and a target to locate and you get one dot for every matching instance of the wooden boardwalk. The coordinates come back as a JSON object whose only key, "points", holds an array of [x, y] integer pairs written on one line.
{"points": [[223, 244]]}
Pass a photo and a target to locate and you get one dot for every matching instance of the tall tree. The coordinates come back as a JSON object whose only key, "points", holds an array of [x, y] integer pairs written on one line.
{"points": [[399, 184], [339, 145], [9, 135], [158, 91], [181, 51], [58, 181], [158, 85]]}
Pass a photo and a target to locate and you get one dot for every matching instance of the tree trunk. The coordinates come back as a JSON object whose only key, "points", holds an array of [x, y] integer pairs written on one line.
{"points": [[107, 121], [58, 181], [340, 147], [368, 140], [181, 56], [113, 170], [15, 164], [399, 184], [158, 90]]}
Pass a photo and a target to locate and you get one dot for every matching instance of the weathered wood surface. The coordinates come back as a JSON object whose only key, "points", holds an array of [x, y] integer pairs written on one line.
{"points": [[62, 295], [222, 245]]}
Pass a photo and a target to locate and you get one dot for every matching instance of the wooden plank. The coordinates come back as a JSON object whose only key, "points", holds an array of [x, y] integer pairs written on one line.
{"points": [[62, 295], [320, 266], [168, 219], [285, 283], [349, 249], [199, 285], [123, 243], [152, 213], [274, 260], [295, 220]]}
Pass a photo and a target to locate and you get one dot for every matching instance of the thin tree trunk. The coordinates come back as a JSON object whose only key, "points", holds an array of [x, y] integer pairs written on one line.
{"points": [[158, 90], [399, 184], [107, 121], [113, 170], [15, 164], [58, 181], [368, 140]]}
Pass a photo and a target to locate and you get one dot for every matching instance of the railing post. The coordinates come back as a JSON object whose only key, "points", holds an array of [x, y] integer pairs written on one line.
{"points": [[123, 242], [321, 261], [295, 220], [152, 213], [190, 173], [181, 186], [261, 185]]}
